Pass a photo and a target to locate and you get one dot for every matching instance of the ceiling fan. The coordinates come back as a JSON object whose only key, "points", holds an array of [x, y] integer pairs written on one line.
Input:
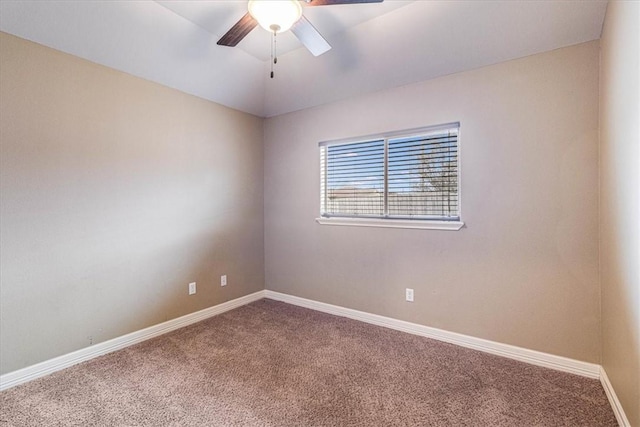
{"points": [[277, 16]]}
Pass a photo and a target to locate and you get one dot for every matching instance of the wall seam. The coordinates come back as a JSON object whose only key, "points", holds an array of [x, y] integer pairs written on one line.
{"points": [[599, 210]]}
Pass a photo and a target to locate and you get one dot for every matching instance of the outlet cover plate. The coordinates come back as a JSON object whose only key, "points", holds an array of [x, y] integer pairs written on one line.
{"points": [[409, 295]]}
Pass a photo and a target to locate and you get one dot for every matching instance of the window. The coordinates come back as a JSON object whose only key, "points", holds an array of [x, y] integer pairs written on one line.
{"points": [[404, 179]]}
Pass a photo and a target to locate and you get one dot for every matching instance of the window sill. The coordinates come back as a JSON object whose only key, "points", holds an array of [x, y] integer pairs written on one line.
{"points": [[393, 223]]}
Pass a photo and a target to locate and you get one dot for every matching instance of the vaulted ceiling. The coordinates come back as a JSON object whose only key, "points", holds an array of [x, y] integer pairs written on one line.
{"points": [[374, 46]]}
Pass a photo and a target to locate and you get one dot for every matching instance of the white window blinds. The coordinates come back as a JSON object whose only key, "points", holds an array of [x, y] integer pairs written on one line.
{"points": [[410, 176]]}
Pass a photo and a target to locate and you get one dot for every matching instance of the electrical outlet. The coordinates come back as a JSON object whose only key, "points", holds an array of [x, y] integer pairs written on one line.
{"points": [[409, 294], [223, 280], [192, 288]]}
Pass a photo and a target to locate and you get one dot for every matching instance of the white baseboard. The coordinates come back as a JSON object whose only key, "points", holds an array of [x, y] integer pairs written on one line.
{"points": [[29, 373], [560, 363], [621, 417], [533, 357]]}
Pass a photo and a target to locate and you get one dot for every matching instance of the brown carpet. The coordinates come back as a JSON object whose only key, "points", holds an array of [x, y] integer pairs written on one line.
{"points": [[273, 364]]}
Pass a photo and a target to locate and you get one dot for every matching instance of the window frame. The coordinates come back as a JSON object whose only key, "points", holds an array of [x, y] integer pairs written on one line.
{"points": [[384, 221]]}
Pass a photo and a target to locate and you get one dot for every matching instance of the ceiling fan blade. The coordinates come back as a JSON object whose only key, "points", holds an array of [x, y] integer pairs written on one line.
{"points": [[310, 37], [331, 2], [238, 31]]}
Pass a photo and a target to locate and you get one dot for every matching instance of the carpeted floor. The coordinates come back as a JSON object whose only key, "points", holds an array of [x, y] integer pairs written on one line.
{"points": [[273, 364]]}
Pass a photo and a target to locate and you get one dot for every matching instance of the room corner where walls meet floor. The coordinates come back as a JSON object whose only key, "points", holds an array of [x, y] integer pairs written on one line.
{"points": [[559, 363]]}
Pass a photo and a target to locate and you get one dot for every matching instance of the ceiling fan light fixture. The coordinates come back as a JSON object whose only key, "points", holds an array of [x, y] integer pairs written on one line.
{"points": [[275, 15]]}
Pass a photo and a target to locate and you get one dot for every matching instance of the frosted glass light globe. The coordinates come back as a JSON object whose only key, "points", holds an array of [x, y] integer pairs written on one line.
{"points": [[275, 15]]}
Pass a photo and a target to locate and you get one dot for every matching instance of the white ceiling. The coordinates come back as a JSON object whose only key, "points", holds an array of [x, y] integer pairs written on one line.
{"points": [[375, 46]]}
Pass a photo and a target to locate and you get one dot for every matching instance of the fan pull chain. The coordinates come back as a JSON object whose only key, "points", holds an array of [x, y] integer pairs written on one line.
{"points": [[274, 53]]}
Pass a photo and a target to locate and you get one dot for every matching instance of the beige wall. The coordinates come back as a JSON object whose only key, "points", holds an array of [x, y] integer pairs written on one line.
{"points": [[524, 271], [115, 193], [620, 202]]}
